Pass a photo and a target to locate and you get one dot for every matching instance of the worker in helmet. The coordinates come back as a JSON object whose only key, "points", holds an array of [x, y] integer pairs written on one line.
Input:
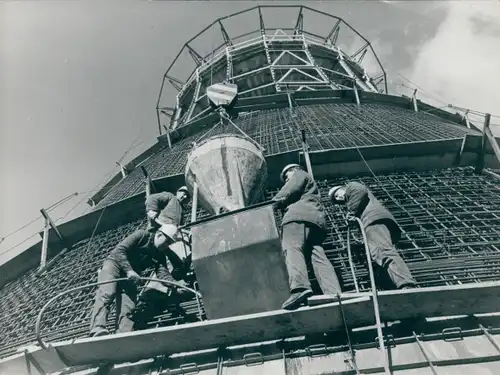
{"points": [[303, 231], [137, 252], [381, 228], [166, 208]]}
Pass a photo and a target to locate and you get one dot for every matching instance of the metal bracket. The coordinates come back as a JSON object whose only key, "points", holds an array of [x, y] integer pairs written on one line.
{"points": [[458, 157], [45, 242], [482, 149], [189, 368], [253, 359], [150, 186], [450, 334], [414, 100], [317, 350], [123, 170]]}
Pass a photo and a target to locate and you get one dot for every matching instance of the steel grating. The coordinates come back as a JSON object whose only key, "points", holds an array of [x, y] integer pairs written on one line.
{"points": [[450, 219], [327, 126]]}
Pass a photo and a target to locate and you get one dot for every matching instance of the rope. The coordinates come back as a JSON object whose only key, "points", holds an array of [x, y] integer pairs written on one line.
{"points": [[40, 314], [20, 243], [95, 229]]}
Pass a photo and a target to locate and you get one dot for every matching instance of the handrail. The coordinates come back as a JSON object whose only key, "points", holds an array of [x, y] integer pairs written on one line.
{"points": [[39, 317]]}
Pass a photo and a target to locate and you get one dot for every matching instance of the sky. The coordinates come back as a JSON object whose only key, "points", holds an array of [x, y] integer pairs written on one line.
{"points": [[79, 83]]}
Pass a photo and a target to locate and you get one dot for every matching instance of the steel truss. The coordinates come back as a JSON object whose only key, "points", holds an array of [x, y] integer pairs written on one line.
{"points": [[275, 60]]}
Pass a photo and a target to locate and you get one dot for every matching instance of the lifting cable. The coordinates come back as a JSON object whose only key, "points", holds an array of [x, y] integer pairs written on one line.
{"points": [[45, 345]]}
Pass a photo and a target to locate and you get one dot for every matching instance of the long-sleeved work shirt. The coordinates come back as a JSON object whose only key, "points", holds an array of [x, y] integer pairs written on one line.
{"points": [[167, 205], [302, 200], [362, 203], [137, 252]]}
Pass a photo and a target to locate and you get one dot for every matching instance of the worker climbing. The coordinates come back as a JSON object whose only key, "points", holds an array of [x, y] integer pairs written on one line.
{"points": [[166, 208], [303, 232], [137, 252], [381, 228]]}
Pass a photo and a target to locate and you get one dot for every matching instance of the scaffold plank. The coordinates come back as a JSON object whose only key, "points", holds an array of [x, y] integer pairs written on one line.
{"points": [[126, 347], [440, 301], [432, 301], [394, 305]]}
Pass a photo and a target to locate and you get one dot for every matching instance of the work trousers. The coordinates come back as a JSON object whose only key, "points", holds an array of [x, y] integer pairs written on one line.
{"points": [[301, 241], [385, 254], [105, 296]]}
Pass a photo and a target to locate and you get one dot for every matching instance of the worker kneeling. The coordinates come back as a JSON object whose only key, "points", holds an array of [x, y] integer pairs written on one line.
{"points": [[381, 229], [303, 231], [137, 252]]}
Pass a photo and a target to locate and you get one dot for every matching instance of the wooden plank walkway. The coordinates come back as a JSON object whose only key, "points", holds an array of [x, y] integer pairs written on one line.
{"points": [[358, 311]]}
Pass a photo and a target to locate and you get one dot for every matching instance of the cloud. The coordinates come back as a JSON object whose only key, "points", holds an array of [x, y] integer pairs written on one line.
{"points": [[460, 64]]}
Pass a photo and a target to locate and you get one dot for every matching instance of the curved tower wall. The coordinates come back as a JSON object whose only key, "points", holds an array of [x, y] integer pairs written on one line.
{"points": [[448, 214]]}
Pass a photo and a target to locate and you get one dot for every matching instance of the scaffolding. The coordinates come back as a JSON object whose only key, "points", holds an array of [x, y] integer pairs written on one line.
{"points": [[449, 218]]}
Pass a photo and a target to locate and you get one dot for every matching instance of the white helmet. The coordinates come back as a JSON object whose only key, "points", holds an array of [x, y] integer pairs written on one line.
{"points": [[283, 172], [331, 192], [169, 230]]}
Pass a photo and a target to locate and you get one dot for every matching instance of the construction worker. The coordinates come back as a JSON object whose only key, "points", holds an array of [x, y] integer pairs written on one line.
{"points": [[381, 228], [137, 252], [303, 231], [166, 208]]}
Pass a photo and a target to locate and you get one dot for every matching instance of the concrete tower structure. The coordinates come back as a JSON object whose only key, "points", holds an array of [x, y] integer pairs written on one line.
{"points": [[311, 92]]}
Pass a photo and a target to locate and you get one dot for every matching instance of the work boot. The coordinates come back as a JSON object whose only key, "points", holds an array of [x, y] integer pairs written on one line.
{"points": [[408, 286], [99, 332], [104, 369], [297, 299]]}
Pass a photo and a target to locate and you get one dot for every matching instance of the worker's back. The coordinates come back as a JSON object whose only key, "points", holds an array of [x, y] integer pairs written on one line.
{"points": [[306, 205], [372, 210]]}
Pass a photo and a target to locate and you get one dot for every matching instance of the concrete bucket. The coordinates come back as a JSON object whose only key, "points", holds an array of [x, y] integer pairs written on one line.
{"points": [[237, 256], [230, 172]]}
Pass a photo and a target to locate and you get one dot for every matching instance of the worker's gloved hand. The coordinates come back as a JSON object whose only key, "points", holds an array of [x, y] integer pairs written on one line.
{"points": [[278, 202], [152, 214], [351, 220], [134, 276]]}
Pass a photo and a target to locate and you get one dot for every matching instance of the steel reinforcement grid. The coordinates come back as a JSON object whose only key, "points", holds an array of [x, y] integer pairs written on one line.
{"points": [[328, 126], [450, 219]]}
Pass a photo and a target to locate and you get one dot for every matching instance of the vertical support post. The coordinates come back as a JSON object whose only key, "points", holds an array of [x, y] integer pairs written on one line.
{"points": [[148, 181], [169, 140], [376, 309], [122, 169], [45, 244], [305, 150], [177, 116], [194, 206], [491, 138], [482, 150], [356, 95], [414, 100], [466, 118]]}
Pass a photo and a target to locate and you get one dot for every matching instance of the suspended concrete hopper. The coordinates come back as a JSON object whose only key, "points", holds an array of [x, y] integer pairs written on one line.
{"points": [[237, 255], [230, 171]]}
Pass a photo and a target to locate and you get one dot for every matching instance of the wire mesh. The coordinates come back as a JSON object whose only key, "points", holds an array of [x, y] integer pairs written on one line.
{"points": [[328, 126], [450, 219]]}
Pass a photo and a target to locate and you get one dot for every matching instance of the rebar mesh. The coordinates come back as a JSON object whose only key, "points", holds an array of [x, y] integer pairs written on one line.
{"points": [[450, 219], [328, 126]]}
